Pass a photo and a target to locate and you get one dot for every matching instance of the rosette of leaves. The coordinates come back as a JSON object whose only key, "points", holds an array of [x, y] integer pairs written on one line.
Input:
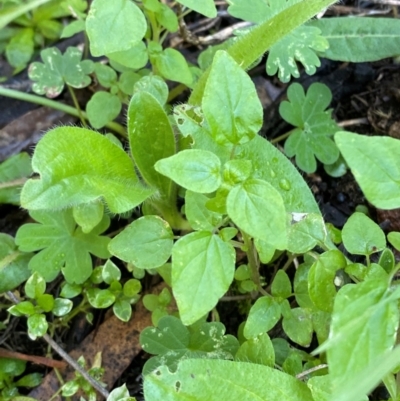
{"points": [[312, 137], [59, 69]]}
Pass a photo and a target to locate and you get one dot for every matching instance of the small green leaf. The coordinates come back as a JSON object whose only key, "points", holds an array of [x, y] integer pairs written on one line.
{"points": [[311, 139], [257, 350], [150, 137], [394, 239], [19, 49], [373, 162], [205, 7], [199, 216], [22, 309], [105, 75], [35, 286], [96, 168], [387, 260], [131, 288], [281, 285], [62, 245], [321, 278], [154, 85], [257, 208], [57, 70], [30, 380], [263, 316], [146, 243], [45, 302], [110, 272], [73, 28], [115, 26], [298, 326], [37, 326], [167, 18], [102, 108], [236, 171], [123, 310], [362, 236], [300, 286], [100, 299], [88, 215], [242, 115], [120, 394], [62, 306], [196, 170], [202, 270], [234, 381], [135, 57]]}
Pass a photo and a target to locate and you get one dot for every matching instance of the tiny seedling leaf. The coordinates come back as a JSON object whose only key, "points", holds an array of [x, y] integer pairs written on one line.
{"points": [[59, 69], [61, 245], [146, 243], [77, 165], [202, 270], [315, 126]]}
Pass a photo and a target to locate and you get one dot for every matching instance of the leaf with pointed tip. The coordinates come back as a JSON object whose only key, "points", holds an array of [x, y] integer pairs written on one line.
{"points": [[77, 165]]}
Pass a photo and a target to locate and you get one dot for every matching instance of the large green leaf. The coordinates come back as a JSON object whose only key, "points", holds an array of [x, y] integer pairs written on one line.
{"points": [[360, 39], [146, 243], [150, 137], [202, 270], [114, 26], [77, 165], [62, 245], [242, 114], [217, 380], [256, 207], [194, 169], [364, 324], [374, 163]]}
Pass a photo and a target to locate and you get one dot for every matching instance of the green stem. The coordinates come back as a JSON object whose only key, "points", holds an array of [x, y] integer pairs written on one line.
{"points": [[13, 184], [281, 137], [27, 97], [76, 104]]}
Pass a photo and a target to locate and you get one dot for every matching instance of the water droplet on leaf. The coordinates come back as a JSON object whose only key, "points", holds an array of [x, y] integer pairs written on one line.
{"points": [[284, 184]]}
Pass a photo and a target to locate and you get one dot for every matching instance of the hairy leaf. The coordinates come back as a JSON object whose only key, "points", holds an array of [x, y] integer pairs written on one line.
{"points": [[76, 166]]}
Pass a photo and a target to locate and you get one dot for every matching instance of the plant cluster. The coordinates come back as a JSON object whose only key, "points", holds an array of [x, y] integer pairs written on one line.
{"points": [[212, 207]]}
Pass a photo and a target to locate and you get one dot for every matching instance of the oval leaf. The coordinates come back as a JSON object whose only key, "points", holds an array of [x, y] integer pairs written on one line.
{"points": [[77, 165]]}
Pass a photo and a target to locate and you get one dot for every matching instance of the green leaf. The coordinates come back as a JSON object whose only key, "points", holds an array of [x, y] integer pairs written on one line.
{"points": [[123, 310], [373, 162], [102, 108], [15, 167], [120, 394], [57, 70], [363, 328], [362, 236], [100, 299], [281, 285], [171, 341], [360, 40], [199, 216], [135, 57], [236, 171], [263, 316], [115, 26], [299, 45], [202, 270], [387, 260], [205, 7], [19, 49], [321, 278], [150, 137], [73, 28], [62, 245], [154, 85], [170, 64], [88, 215], [300, 286], [311, 139], [167, 18], [193, 169], [30, 380], [242, 115], [13, 265], [271, 165], [306, 231], [37, 326], [146, 243], [298, 326], [45, 302], [394, 239], [22, 309], [257, 208], [62, 306], [234, 381], [95, 168], [110, 272], [35, 286], [257, 350]]}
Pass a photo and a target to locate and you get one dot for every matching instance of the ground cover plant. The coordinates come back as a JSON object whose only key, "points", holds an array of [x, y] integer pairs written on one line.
{"points": [[202, 202]]}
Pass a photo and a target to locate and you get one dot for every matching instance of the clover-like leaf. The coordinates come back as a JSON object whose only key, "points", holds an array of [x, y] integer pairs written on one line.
{"points": [[62, 245], [314, 126], [299, 45], [171, 342], [59, 69]]}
